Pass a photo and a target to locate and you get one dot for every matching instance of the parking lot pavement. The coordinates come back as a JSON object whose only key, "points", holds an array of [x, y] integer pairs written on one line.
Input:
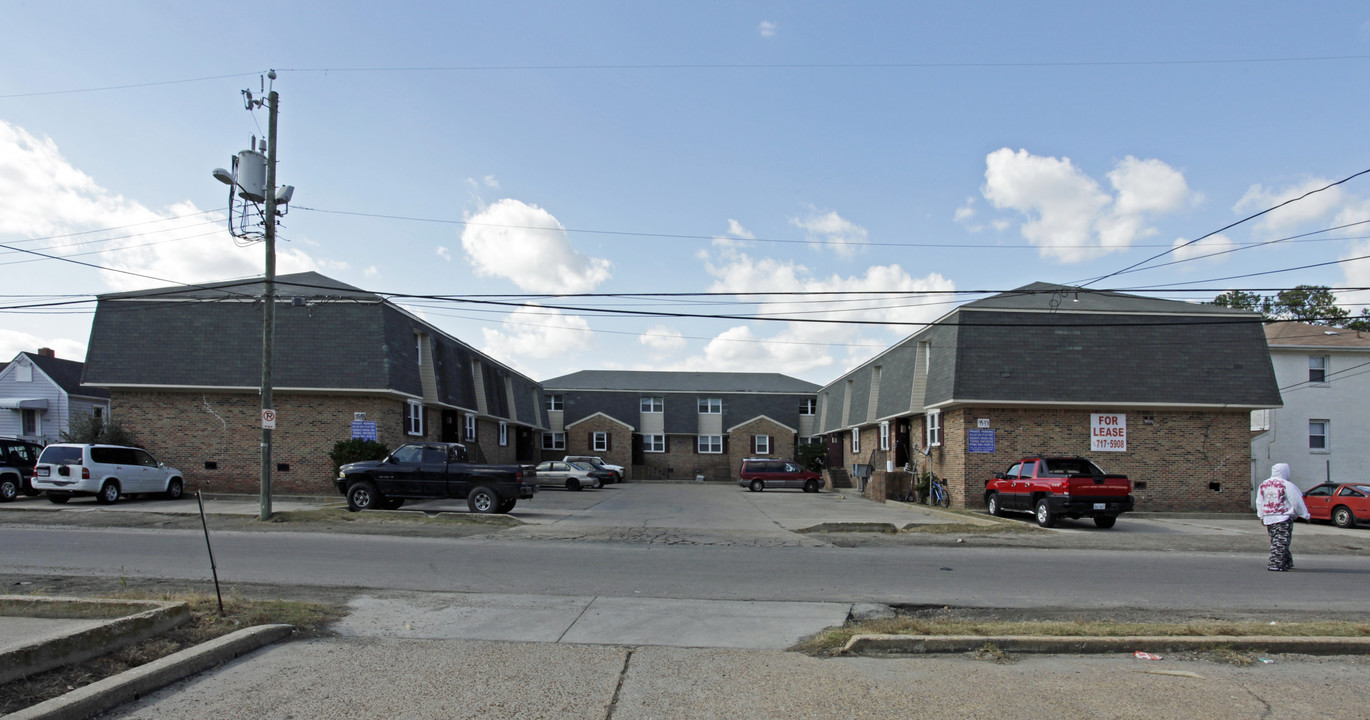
{"points": [[220, 505], [1236, 526]]}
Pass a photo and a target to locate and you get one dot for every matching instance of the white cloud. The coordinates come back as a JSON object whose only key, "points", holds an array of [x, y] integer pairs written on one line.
{"points": [[12, 342], [523, 243], [490, 182], [536, 332], [1208, 246], [766, 28], [42, 194], [1294, 216], [839, 234], [371, 271], [444, 253], [1070, 217], [662, 338]]}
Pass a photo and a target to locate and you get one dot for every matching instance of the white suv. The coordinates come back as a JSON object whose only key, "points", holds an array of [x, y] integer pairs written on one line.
{"points": [[105, 471]]}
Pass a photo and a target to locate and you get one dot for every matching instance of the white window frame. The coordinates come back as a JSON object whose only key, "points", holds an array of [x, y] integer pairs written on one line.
{"points": [[599, 441], [470, 432], [934, 423], [554, 403], [413, 418], [652, 404], [654, 443], [885, 436], [808, 406], [1323, 362], [553, 441], [711, 406], [503, 434], [855, 440], [709, 448], [763, 444], [1325, 436]]}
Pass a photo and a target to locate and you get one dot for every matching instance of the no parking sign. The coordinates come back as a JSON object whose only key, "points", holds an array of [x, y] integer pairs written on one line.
{"points": [[268, 419]]}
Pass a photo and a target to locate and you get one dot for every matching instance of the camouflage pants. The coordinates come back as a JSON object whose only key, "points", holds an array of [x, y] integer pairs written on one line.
{"points": [[1281, 534]]}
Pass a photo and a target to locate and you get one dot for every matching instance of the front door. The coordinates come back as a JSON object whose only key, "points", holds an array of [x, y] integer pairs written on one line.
{"points": [[834, 451]]}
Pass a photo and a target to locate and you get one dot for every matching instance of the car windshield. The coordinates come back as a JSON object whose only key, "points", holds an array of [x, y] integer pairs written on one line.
{"points": [[56, 455]]}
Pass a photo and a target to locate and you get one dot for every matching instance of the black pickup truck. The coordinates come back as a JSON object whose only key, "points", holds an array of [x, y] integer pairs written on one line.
{"points": [[428, 470]]}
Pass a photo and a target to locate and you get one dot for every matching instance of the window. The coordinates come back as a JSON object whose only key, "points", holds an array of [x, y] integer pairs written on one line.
{"points": [[1317, 369], [885, 436], [30, 422], [99, 412], [1317, 435], [652, 404], [553, 402], [934, 429], [654, 443], [856, 440], [761, 444], [808, 406], [600, 442], [710, 444], [711, 406], [413, 419], [554, 441], [471, 428], [503, 433]]}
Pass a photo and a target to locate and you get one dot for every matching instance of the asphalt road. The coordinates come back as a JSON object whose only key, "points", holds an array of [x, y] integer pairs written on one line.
{"points": [[969, 576]]}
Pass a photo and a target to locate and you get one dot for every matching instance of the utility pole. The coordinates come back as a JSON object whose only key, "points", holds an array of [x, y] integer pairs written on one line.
{"points": [[253, 179], [269, 299]]}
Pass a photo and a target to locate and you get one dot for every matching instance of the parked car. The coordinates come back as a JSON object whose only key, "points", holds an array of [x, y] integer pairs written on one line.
{"points": [[1344, 504], [573, 475], [1052, 487], [757, 474], [428, 470], [598, 464], [108, 472], [17, 458]]}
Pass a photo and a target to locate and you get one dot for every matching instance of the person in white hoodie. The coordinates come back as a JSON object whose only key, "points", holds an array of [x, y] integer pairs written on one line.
{"points": [[1278, 502]]}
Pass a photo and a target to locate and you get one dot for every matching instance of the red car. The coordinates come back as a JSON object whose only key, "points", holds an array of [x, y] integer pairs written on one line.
{"points": [[1342, 504]]}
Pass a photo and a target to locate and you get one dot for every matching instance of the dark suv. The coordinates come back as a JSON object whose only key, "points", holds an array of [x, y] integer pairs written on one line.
{"points": [[17, 458], [757, 474]]}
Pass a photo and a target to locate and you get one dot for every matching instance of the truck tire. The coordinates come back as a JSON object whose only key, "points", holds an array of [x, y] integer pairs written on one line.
{"points": [[1343, 517], [1104, 522], [757, 486], [1044, 516], [483, 500], [174, 489], [811, 486], [109, 492], [992, 504], [9, 488], [362, 496]]}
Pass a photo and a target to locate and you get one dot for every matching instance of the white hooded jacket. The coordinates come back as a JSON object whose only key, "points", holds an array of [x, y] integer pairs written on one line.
{"points": [[1277, 499]]}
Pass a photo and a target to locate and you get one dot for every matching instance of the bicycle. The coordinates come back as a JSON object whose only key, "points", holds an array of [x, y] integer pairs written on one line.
{"points": [[937, 492]]}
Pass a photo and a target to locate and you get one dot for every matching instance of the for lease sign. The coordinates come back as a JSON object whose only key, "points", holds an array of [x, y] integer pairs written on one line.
{"points": [[1108, 432]]}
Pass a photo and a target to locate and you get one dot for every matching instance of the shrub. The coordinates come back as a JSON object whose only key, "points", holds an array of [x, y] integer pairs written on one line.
{"points": [[356, 450], [810, 456], [90, 429]]}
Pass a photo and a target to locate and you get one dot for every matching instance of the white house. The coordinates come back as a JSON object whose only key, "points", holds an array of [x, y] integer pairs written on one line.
{"points": [[40, 395], [1322, 430]]}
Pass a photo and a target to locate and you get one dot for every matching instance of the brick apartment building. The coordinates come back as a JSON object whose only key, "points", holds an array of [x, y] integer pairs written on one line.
{"points": [[677, 424], [1035, 371], [183, 369]]}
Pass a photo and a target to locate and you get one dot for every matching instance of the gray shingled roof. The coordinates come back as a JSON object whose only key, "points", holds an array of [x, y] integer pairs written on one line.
{"points": [[1107, 348], [67, 375], [664, 381]]}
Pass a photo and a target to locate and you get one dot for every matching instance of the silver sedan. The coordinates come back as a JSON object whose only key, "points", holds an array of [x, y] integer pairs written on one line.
{"points": [[572, 475]]}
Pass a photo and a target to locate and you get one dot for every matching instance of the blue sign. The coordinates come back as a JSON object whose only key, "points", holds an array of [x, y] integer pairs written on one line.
{"points": [[980, 440], [364, 430]]}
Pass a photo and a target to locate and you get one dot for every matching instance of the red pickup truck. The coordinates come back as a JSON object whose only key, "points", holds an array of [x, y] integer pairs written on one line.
{"points": [[1051, 487]]}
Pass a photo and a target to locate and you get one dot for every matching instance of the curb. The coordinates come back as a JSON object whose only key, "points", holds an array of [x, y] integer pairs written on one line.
{"points": [[112, 692], [882, 645], [124, 622]]}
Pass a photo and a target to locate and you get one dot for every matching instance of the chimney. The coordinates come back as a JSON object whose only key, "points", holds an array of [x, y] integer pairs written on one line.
{"points": [[47, 352]]}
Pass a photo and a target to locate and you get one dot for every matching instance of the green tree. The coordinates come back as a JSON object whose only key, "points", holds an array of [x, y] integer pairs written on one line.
{"points": [[810, 456], [1241, 300], [1314, 304]]}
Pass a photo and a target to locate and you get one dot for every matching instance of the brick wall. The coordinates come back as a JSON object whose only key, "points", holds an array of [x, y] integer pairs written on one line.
{"points": [[740, 443], [578, 442], [188, 429], [1188, 460]]}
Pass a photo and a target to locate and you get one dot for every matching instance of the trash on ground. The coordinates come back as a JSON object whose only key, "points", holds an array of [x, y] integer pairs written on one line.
{"points": [[1145, 656]]}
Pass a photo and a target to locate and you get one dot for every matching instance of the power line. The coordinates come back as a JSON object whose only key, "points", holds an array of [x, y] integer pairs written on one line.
{"points": [[127, 87]]}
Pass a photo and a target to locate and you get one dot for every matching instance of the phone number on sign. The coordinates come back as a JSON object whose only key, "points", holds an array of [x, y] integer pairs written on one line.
{"points": [[1109, 444]]}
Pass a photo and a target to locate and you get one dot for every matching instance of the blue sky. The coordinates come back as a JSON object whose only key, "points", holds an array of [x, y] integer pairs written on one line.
{"points": [[695, 147]]}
